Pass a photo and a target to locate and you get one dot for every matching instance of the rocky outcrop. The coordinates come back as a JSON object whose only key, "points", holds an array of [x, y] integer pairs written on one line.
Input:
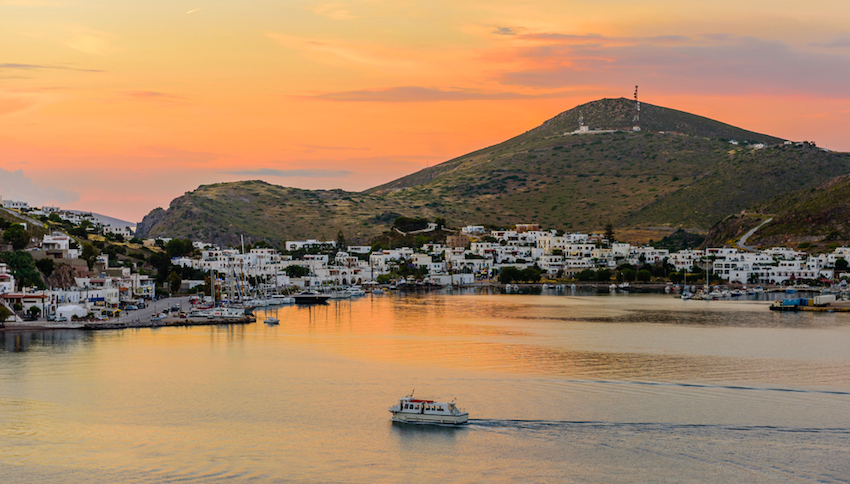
{"points": [[144, 227], [62, 277]]}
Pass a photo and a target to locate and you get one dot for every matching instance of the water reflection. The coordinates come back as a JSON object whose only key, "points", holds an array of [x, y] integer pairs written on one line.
{"points": [[20, 341], [590, 337], [428, 433], [600, 389]]}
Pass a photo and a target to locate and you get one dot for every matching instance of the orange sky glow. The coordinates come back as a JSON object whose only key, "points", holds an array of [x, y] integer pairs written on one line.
{"points": [[118, 107]]}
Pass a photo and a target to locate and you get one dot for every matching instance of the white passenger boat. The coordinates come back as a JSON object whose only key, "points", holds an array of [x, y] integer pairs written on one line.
{"points": [[222, 312], [272, 320], [414, 410]]}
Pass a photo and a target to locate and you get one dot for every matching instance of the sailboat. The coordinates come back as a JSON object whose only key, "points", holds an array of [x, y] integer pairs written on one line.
{"points": [[686, 294]]}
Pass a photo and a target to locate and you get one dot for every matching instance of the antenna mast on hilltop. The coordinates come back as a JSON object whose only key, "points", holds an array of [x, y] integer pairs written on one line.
{"points": [[637, 112]]}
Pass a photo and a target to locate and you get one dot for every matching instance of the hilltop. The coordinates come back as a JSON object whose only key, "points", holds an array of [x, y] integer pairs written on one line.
{"points": [[679, 171], [604, 114]]}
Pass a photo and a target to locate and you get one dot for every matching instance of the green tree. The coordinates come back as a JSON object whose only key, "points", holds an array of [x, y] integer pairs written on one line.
{"points": [[179, 248], [409, 224], [609, 233], [53, 217], [17, 235], [587, 275], [603, 275], [509, 274], [531, 274], [4, 313], [297, 271], [340, 241], [35, 310], [174, 281], [23, 267], [627, 274], [644, 275], [45, 265], [89, 254]]}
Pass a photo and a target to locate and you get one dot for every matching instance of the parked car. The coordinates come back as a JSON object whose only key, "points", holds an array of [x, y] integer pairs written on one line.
{"points": [[131, 308], [29, 317], [61, 319]]}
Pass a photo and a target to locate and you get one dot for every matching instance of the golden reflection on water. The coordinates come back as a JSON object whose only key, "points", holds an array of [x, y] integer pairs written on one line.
{"points": [[306, 400], [637, 338]]}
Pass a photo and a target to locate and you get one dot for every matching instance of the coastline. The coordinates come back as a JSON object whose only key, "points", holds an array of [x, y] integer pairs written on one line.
{"points": [[104, 325]]}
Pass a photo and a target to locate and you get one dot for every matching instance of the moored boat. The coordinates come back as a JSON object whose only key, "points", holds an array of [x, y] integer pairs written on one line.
{"points": [[280, 299], [414, 410], [310, 297], [272, 320]]}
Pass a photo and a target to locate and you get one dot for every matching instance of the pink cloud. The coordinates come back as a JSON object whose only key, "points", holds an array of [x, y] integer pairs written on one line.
{"points": [[707, 64]]}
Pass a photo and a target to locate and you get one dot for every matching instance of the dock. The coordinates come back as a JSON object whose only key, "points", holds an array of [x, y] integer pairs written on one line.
{"points": [[825, 309], [167, 322], [104, 325]]}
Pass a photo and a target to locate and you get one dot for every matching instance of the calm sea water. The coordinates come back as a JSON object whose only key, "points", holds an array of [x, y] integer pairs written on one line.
{"points": [[627, 388]]}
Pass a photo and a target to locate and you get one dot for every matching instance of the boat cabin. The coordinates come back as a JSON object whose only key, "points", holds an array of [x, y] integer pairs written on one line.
{"points": [[411, 405]]}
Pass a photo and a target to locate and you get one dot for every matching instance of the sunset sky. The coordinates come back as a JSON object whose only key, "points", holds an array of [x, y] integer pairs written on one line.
{"points": [[120, 106]]}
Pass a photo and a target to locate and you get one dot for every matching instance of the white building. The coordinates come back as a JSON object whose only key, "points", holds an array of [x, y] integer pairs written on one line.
{"points": [[125, 232], [15, 204], [684, 260], [742, 268], [7, 280], [472, 230], [302, 244]]}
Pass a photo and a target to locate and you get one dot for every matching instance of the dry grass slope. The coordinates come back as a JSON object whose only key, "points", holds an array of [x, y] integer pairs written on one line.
{"points": [[689, 176]]}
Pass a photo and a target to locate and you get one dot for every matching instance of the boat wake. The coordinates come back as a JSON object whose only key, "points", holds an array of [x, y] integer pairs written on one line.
{"points": [[711, 386], [560, 425]]}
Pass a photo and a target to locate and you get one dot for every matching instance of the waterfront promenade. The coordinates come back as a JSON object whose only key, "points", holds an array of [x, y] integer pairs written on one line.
{"points": [[137, 318]]}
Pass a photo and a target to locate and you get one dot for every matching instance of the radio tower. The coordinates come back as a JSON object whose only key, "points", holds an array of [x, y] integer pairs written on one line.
{"points": [[636, 119]]}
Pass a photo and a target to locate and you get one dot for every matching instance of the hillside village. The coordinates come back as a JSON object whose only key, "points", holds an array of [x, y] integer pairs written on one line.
{"points": [[78, 268]]}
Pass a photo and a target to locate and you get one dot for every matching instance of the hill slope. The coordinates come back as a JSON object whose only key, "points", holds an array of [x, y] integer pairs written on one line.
{"points": [[689, 178], [604, 114], [820, 214]]}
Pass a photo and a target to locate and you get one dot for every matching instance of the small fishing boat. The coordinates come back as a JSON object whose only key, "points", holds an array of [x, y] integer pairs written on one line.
{"points": [[411, 410], [272, 320]]}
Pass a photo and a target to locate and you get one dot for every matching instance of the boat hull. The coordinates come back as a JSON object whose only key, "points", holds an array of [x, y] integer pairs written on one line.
{"points": [[310, 299], [430, 419]]}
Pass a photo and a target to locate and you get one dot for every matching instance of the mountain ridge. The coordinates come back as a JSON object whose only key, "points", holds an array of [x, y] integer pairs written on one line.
{"points": [[660, 176]]}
